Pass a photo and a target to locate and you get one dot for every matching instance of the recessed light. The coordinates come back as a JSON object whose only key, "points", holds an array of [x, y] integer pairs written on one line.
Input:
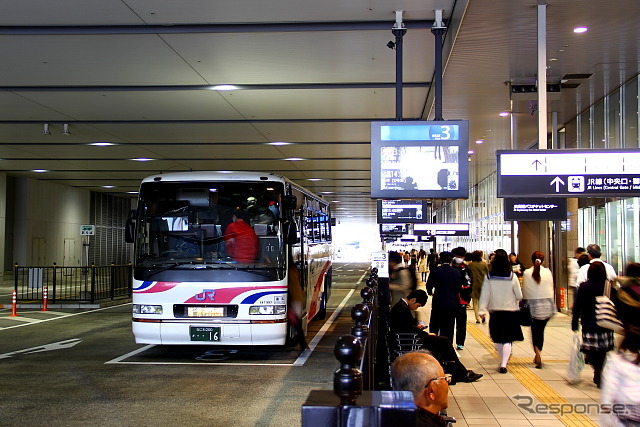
{"points": [[504, 114], [102, 144], [471, 151], [278, 143], [479, 141], [141, 159], [314, 179], [326, 192], [108, 186], [293, 159], [224, 87], [579, 30], [39, 170]]}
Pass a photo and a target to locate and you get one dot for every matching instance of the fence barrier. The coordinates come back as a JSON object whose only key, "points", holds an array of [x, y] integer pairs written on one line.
{"points": [[72, 284]]}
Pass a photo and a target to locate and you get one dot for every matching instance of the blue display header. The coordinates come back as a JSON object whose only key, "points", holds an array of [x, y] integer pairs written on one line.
{"points": [[420, 133]]}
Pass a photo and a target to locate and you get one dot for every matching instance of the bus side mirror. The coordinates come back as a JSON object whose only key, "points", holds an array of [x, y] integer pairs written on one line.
{"points": [[290, 202], [130, 228], [290, 233]]}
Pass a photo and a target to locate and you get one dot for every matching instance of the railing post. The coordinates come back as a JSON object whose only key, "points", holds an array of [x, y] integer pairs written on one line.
{"points": [[93, 283], [15, 277], [347, 380], [112, 282], [54, 282]]}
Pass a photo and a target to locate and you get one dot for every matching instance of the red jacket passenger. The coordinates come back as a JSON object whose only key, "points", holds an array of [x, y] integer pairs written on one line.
{"points": [[240, 239]]}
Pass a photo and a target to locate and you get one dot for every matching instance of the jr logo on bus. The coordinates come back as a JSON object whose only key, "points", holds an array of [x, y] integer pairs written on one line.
{"points": [[206, 293]]}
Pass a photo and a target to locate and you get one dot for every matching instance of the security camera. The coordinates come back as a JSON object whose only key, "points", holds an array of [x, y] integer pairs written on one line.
{"points": [[391, 45]]}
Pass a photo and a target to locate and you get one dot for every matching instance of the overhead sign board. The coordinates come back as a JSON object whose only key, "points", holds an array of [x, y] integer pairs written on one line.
{"points": [[407, 211], [569, 173], [434, 229], [535, 209], [420, 159]]}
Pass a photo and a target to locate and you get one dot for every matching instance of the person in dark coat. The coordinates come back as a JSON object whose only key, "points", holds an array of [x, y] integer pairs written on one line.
{"points": [[596, 341], [401, 320], [444, 283], [627, 299]]}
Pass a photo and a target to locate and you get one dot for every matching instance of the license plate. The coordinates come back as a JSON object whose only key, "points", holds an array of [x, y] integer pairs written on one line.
{"points": [[205, 311], [205, 333]]}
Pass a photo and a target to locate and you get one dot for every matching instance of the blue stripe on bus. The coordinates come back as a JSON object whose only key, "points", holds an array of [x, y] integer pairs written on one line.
{"points": [[144, 285], [253, 298]]}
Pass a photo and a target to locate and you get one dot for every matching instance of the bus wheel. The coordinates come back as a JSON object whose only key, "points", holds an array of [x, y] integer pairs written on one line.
{"points": [[322, 311]]}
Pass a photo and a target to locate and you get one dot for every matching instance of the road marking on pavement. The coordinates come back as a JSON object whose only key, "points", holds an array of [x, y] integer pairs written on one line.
{"points": [[64, 316], [42, 348]]}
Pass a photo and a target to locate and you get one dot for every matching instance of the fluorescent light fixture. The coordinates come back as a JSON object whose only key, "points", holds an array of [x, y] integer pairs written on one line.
{"points": [[504, 114], [326, 192], [278, 143], [225, 171], [224, 87], [132, 192], [314, 179], [479, 141], [141, 159], [102, 144], [293, 159], [336, 201], [108, 186], [579, 30], [39, 170], [471, 152], [213, 190]]}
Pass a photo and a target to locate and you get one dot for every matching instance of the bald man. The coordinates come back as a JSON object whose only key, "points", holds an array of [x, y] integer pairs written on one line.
{"points": [[421, 374]]}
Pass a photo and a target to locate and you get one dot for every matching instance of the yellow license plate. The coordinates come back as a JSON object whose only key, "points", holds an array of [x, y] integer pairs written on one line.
{"points": [[205, 311]]}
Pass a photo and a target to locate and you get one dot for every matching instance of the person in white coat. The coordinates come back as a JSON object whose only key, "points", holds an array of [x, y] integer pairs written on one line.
{"points": [[595, 253], [537, 289]]}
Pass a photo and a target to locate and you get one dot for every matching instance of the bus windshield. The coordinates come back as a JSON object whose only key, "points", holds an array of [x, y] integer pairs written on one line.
{"points": [[209, 231]]}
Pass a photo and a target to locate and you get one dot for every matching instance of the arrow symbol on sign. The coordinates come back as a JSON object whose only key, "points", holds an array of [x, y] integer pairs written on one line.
{"points": [[537, 163], [557, 181], [47, 347]]}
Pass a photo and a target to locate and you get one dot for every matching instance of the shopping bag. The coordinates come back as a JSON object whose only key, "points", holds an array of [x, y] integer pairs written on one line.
{"points": [[576, 360], [525, 313], [606, 315]]}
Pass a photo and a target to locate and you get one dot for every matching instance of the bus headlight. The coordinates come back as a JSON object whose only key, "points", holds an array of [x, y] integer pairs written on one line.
{"points": [[147, 309], [268, 309]]}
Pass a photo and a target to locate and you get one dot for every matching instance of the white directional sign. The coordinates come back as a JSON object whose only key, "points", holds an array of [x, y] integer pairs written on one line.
{"points": [[569, 173], [446, 229], [46, 347]]}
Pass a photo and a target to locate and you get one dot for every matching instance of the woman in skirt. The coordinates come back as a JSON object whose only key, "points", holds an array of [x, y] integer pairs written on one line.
{"points": [[500, 296], [596, 341]]}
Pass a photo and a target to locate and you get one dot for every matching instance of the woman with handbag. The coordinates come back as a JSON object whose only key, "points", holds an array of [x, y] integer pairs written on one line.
{"points": [[500, 296], [537, 289], [596, 341]]}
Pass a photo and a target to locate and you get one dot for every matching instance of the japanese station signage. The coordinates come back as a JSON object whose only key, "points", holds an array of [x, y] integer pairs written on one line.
{"points": [[569, 173], [535, 209], [447, 229]]}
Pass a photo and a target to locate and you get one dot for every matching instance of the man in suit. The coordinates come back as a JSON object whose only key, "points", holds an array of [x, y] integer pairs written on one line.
{"points": [[401, 320], [444, 283]]}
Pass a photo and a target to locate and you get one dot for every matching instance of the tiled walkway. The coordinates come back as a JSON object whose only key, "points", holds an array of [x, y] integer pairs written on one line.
{"points": [[524, 396]]}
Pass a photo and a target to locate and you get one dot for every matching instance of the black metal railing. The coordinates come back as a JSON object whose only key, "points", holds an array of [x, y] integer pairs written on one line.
{"points": [[72, 284]]}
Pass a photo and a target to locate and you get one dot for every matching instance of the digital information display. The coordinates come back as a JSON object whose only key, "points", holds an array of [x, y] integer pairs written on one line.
{"points": [[569, 173], [393, 230], [435, 229], [420, 160], [535, 209], [398, 211]]}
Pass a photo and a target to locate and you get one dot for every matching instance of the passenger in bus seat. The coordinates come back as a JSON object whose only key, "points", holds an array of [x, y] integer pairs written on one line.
{"points": [[240, 240]]}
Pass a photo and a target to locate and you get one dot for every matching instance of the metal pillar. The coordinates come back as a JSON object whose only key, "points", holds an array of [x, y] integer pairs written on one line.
{"points": [[399, 31], [438, 31]]}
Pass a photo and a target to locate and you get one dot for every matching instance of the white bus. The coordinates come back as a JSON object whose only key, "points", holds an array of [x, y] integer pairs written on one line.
{"points": [[203, 277]]}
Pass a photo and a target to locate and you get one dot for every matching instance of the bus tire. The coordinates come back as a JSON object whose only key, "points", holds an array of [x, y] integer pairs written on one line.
{"points": [[322, 311]]}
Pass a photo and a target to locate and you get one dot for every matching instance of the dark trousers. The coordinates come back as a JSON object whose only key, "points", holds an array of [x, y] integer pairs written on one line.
{"points": [[442, 322], [461, 324], [443, 351], [537, 332]]}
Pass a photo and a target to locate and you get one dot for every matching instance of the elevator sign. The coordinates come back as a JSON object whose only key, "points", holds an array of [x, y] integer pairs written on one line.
{"points": [[569, 173]]}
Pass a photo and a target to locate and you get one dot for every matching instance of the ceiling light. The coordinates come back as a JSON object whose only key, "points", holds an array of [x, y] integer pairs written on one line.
{"points": [[102, 144], [504, 114], [278, 143], [108, 186], [225, 171], [39, 170], [579, 30], [479, 141], [314, 179], [132, 192], [141, 159], [45, 129], [335, 201], [326, 192], [293, 159], [471, 152], [65, 129], [224, 87]]}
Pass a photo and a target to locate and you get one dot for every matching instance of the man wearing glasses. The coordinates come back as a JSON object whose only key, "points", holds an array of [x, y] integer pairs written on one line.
{"points": [[421, 374]]}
